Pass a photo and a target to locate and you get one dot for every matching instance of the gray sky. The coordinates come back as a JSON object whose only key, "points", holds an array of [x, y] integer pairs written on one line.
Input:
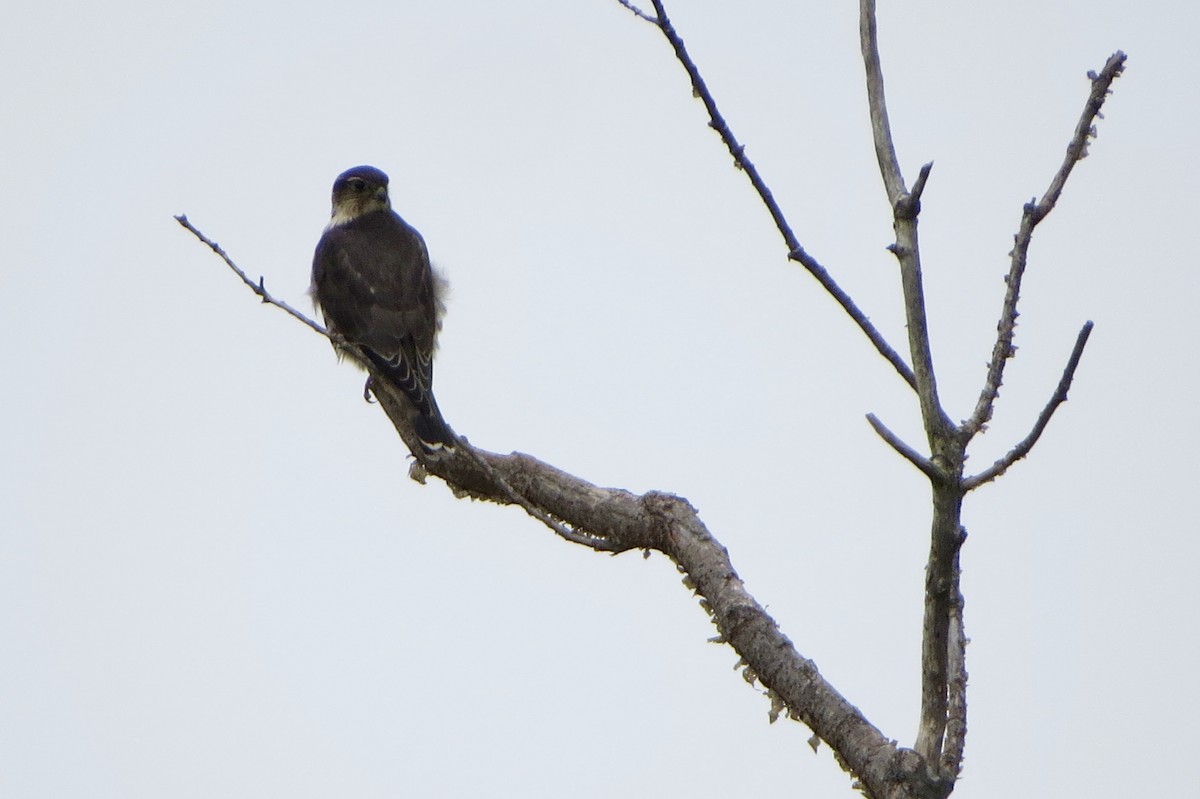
{"points": [[216, 578]]}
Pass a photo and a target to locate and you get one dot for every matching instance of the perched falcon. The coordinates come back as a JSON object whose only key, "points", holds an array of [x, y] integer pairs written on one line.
{"points": [[374, 284]]}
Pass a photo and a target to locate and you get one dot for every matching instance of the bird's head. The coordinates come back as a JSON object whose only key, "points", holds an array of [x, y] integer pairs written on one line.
{"points": [[357, 191]]}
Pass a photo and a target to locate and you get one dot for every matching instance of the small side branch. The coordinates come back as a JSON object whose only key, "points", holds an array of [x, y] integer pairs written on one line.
{"points": [[1060, 396], [637, 12], [258, 288], [911, 455], [717, 122], [1033, 213], [864, 324], [1085, 129], [909, 206]]}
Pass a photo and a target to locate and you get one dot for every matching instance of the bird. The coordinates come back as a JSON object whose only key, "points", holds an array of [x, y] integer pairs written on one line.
{"points": [[374, 285]]}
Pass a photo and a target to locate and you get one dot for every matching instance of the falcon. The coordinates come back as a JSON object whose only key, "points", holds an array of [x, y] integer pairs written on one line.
{"points": [[375, 287]]}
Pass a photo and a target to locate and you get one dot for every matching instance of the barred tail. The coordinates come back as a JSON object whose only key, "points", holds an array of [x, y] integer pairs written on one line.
{"points": [[435, 435]]}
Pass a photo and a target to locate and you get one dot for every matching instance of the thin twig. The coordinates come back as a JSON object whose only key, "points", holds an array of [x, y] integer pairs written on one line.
{"points": [[796, 252], [717, 122], [258, 288], [910, 454], [1085, 130], [864, 324], [638, 12], [1060, 396], [1032, 214]]}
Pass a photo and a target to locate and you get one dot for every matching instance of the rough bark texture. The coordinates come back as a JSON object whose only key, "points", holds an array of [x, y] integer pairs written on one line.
{"points": [[615, 520]]}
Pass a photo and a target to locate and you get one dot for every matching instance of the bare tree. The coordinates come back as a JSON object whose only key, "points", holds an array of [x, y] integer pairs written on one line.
{"points": [[613, 520]]}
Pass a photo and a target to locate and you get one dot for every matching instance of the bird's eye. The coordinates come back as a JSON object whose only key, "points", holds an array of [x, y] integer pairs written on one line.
{"points": [[356, 184]]}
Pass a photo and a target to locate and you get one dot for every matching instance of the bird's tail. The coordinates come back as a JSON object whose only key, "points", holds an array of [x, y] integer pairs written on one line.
{"points": [[435, 435]]}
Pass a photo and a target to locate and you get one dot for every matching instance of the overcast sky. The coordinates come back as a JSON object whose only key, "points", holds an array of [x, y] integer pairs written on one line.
{"points": [[216, 579]]}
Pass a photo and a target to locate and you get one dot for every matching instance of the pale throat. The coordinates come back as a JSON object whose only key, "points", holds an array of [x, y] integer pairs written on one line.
{"points": [[351, 208]]}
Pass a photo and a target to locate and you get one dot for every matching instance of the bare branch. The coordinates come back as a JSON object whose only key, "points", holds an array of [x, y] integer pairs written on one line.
{"points": [[910, 454], [885, 149], [637, 12], [796, 252], [1033, 213], [905, 209], [258, 288], [717, 122], [1060, 396], [864, 324], [1085, 130], [914, 197]]}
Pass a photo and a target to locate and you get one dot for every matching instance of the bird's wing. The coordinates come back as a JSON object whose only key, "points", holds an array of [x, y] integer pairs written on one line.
{"points": [[373, 281]]}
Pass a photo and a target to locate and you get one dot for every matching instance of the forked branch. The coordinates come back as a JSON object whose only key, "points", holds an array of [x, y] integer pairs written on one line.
{"points": [[1034, 213], [1059, 397]]}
